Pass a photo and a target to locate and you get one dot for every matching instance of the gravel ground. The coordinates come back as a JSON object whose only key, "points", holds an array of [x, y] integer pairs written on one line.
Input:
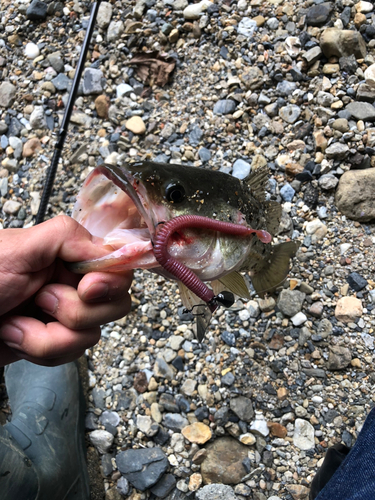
{"points": [[232, 86]]}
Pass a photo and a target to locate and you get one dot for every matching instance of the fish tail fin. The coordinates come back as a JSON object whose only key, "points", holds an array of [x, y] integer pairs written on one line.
{"points": [[275, 269]]}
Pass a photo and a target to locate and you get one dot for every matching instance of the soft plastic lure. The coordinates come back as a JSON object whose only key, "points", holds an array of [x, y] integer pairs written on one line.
{"points": [[182, 272]]}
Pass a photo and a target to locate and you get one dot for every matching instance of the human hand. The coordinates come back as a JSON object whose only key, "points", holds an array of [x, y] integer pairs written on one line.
{"points": [[48, 315]]}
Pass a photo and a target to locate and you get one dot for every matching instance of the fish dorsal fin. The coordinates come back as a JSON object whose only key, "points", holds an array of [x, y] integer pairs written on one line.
{"points": [[235, 283], [275, 269], [257, 182], [272, 214], [202, 313]]}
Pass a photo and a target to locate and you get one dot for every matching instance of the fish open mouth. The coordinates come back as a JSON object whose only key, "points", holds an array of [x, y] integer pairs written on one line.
{"points": [[115, 209]]}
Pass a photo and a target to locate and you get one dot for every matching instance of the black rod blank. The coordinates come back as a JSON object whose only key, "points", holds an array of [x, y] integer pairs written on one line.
{"points": [[51, 173]]}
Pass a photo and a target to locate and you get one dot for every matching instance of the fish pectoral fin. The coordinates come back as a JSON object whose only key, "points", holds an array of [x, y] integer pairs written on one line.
{"points": [[201, 312], [257, 181], [235, 283], [276, 269], [272, 216]]}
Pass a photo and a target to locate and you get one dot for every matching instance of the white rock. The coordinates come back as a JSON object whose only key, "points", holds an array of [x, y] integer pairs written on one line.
{"points": [[253, 308], [247, 27], [114, 31], [317, 400], [303, 437], [344, 247], [364, 7], [242, 5], [123, 89], [144, 423], [293, 46], [38, 118], [241, 169], [35, 202], [11, 207], [259, 426], [244, 315], [104, 14], [31, 50], [298, 319], [370, 75], [194, 11], [102, 440]]}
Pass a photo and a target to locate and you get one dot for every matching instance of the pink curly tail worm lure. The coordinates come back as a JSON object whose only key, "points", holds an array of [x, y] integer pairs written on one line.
{"points": [[183, 273]]}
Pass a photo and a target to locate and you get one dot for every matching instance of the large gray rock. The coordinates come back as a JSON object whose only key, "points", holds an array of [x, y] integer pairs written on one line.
{"points": [[7, 94], [115, 29], [342, 43], [92, 81], [339, 358], [303, 437], [243, 408], [104, 14], [38, 118], [290, 302], [362, 111], [102, 440], [216, 492], [355, 194], [143, 467]]}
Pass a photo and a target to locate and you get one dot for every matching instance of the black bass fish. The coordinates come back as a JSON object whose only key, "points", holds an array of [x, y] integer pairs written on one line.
{"points": [[125, 206]]}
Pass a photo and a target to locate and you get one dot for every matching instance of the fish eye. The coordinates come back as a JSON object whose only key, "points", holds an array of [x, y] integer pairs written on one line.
{"points": [[175, 193]]}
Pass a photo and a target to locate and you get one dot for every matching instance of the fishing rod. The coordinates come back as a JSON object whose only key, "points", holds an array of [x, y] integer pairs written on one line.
{"points": [[61, 136]]}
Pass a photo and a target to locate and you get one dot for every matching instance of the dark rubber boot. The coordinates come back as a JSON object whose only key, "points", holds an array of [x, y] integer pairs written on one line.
{"points": [[332, 461], [42, 449]]}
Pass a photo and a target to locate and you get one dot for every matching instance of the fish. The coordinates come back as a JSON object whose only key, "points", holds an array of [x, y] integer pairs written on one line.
{"points": [[125, 206]]}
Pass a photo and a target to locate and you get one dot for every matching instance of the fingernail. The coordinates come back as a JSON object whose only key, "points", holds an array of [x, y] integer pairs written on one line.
{"points": [[11, 335], [96, 291], [47, 301]]}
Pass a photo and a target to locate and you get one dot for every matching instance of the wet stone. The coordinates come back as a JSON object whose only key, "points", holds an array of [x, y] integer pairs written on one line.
{"points": [[224, 107], [243, 408], [318, 15], [204, 154], [166, 484], [229, 338], [228, 379], [339, 358], [290, 302], [37, 11], [92, 81], [356, 281], [99, 398], [175, 421], [143, 467], [123, 486], [195, 136], [110, 417], [62, 82]]}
